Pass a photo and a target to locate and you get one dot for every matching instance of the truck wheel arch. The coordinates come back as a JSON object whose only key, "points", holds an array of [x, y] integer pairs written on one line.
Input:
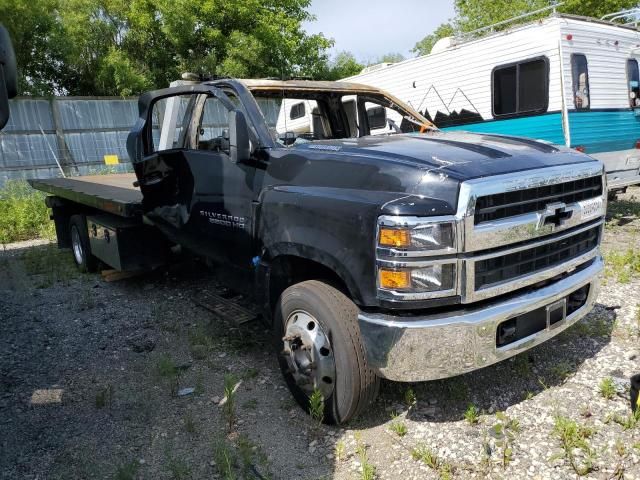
{"points": [[291, 265]]}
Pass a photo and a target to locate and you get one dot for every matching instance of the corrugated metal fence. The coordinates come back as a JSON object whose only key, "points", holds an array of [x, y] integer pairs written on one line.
{"points": [[46, 137]]}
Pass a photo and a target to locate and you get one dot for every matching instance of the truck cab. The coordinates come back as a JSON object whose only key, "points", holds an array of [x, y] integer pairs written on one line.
{"points": [[376, 245]]}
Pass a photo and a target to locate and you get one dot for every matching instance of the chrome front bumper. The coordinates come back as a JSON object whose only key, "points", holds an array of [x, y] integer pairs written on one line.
{"points": [[411, 349]]}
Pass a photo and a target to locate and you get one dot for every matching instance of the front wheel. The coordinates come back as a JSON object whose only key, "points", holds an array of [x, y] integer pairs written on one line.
{"points": [[320, 348]]}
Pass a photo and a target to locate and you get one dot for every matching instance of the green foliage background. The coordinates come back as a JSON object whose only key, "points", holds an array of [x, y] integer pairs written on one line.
{"points": [[23, 213], [473, 14], [123, 47]]}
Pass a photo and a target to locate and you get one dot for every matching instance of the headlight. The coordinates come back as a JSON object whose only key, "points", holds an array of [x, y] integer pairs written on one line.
{"points": [[416, 236], [433, 278], [404, 247]]}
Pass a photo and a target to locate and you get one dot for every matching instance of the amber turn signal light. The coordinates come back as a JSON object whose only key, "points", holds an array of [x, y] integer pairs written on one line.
{"points": [[392, 279], [392, 237]]}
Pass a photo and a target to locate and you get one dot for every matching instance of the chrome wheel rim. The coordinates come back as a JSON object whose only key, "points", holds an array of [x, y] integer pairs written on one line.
{"points": [[76, 245], [309, 354]]}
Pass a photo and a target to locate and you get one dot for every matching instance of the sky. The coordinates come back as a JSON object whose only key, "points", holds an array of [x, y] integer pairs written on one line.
{"points": [[369, 29]]}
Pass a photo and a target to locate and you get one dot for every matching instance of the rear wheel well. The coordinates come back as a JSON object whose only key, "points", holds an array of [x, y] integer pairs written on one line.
{"points": [[287, 270]]}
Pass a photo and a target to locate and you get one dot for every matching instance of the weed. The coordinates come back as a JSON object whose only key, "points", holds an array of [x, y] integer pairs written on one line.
{"points": [[562, 370], [458, 390], [398, 426], [316, 406], [225, 460], [522, 365], [23, 213], [250, 373], [200, 343], [410, 398], [368, 469], [573, 436], [340, 450], [189, 423], [629, 422], [621, 450], [229, 401], [472, 414], [178, 468], [48, 266], [251, 404], [607, 388], [127, 471], [623, 265], [167, 369], [104, 397], [505, 431], [528, 395], [424, 454]]}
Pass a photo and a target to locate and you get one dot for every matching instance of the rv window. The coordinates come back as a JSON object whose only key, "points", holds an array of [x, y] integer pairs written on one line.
{"points": [[521, 88], [580, 79], [297, 111], [634, 82]]}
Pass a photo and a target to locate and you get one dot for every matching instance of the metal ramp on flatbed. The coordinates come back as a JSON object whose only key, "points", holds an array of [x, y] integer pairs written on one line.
{"points": [[113, 193]]}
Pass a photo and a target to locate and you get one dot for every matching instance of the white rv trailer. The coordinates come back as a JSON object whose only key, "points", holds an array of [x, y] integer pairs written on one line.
{"points": [[567, 80]]}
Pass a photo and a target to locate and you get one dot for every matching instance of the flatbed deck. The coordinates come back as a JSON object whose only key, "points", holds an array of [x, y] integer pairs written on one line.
{"points": [[113, 193]]}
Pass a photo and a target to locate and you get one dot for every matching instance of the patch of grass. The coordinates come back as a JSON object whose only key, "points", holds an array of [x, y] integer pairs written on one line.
{"points": [[368, 469], [250, 454], [622, 208], [189, 423], [316, 407], [398, 426], [47, 265], [410, 398], [628, 422], [472, 414], [229, 401], [225, 460], [607, 388], [522, 365], [574, 437], [340, 450], [178, 468], [167, 369], [250, 373], [424, 454], [23, 214], [505, 431], [104, 397], [623, 265], [251, 404], [127, 471], [200, 343], [458, 390], [562, 370]]}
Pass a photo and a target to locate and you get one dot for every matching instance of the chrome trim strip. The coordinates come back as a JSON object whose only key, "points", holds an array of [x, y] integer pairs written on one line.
{"points": [[449, 343], [530, 225]]}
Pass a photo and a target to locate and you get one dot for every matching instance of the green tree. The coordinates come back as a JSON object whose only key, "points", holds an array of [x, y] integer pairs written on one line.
{"points": [[424, 46], [118, 47], [391, 58], [342, 66], [474, 14]]}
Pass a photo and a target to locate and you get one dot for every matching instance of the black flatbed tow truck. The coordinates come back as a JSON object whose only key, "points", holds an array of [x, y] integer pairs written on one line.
{"points": [[375, 245]]}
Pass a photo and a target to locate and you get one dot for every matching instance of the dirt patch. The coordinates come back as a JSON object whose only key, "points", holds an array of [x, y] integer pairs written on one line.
{"points": [[130, 380]]}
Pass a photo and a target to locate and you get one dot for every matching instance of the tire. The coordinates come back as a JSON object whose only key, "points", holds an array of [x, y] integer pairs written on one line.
{"points": [[80, 246], [354, 385]]}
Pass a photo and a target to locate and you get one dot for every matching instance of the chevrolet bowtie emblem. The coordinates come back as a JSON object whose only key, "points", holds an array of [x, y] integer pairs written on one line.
{"points": [[554, 214]]}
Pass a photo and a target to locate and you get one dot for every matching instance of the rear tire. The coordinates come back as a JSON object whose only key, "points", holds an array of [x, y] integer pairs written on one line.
{"points": [[351, 385], [80, 246]]}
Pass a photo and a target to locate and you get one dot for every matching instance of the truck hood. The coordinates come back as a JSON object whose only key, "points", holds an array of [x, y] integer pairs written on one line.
{"points": [[460, 155]]}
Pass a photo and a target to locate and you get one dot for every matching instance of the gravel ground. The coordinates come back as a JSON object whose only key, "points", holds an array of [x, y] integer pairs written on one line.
{"points": [[93, 377]]}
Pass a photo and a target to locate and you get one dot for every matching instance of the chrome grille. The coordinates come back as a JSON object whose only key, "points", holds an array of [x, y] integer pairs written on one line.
{"points": [[509, 266], [509, 204]]}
